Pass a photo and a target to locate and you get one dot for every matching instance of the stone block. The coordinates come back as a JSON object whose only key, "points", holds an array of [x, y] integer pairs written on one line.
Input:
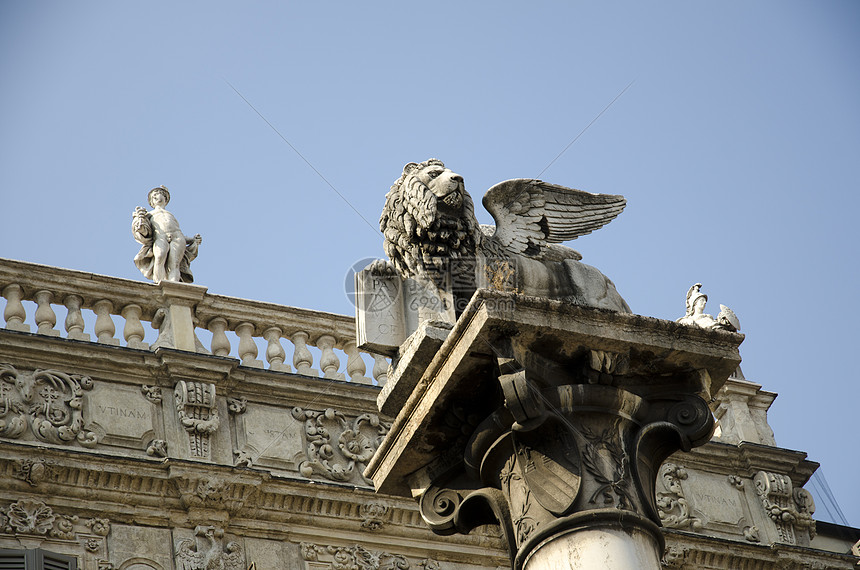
{"points": [[420, 347]]}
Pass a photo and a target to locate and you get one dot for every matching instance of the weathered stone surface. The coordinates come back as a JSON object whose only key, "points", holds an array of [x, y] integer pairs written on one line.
{"points": [[271, 436], [419, 348]]}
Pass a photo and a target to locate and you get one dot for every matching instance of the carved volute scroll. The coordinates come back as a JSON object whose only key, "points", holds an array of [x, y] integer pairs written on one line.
{"points": [[788, 507], [575, 412], [198, 413]]}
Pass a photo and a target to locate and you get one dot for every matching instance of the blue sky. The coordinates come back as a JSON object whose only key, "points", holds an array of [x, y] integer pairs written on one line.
{"points": [[736, 145]]}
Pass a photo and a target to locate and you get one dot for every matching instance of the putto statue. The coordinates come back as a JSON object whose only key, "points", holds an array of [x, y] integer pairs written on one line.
{"points": [[696, 300], [431, 234], [165, 253]]}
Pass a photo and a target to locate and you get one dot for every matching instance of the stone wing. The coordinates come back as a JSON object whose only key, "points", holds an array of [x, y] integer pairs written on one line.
{"points": [[531, 214]]}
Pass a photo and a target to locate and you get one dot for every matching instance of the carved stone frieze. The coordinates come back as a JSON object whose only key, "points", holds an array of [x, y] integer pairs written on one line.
{"points": [[49, 402], [672, 505], [213, 492], [338, 448], [357, 557], [29, 517], [33, 471], [675, 557], [789, 508], [209, 550], [197, 409], [373, 516]]}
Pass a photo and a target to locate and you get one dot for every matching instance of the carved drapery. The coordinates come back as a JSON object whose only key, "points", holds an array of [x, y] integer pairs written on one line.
{"points": [[49, 402], [336, 447], [198, 413], [788, 507], [357, 557]]}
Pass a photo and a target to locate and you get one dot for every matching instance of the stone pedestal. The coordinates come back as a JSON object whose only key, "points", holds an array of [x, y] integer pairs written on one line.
{"points": [[175, 320], [552, 421]]}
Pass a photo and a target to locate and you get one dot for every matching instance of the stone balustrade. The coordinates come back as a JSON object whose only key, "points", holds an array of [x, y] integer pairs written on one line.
{"points": [[51, 288]]}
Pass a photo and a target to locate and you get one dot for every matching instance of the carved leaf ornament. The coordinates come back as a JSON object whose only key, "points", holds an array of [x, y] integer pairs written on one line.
{"points": [[49, 401]]}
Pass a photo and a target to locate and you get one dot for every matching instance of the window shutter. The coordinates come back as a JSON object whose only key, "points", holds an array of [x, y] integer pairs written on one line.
{"points": [[13, 559], [36, 560], [49, 561]]}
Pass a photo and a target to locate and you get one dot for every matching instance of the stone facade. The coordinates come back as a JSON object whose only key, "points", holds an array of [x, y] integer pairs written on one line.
{"points": [[179, 454]]}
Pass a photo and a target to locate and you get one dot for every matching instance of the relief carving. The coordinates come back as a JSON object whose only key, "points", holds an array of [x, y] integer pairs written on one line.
{"points": [[209, 550], [213, 493], [237, 405], [157, 448], [243, 458], [31, 517], [34, 471], [51, 403], [790, 509], [373, 515], [198, 413], [151, 393], [337, 448], [357, 557], [672, 505]]}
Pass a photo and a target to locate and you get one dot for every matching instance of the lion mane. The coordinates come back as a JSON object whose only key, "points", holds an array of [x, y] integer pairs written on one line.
{"points": [[421, 236]]}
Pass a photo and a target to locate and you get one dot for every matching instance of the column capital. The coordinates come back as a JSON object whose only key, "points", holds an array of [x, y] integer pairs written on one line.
{"points": [[541, 416]]}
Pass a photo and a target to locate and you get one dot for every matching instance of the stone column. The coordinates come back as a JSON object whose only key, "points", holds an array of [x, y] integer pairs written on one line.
{"points": [[552, 421]]}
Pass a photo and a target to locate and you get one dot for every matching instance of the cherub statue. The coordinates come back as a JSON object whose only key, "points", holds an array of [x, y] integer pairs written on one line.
{"points": [[696, 300], [165, 253]]}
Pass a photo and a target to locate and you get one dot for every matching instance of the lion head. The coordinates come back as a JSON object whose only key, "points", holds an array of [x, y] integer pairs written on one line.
{"points": [[428, 219]]}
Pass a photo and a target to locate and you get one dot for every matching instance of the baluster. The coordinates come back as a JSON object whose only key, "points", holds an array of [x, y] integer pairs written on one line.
{"points": [[105, 329], [133, 330], [220, 342], [275, 354], [329, 362], [355, 366], [14, 312], [45, 317], [380, 369], [74, 319], [302, 357], [247, 346]]}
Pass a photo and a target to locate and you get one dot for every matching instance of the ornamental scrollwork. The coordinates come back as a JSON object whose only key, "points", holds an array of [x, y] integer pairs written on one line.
{"points": [[789, 508], [672, 506], [336, 447], [48, 401], [34, 471], [198, 413], [32, 517], [357, 557]]}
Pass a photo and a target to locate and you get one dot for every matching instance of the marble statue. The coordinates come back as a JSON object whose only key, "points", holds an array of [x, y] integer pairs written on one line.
{"points": [[166, 253], [431, 234], [695, 315]]}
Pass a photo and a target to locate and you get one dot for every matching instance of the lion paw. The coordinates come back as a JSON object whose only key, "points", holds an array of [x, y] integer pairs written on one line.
{"points": [[382, 268]]}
